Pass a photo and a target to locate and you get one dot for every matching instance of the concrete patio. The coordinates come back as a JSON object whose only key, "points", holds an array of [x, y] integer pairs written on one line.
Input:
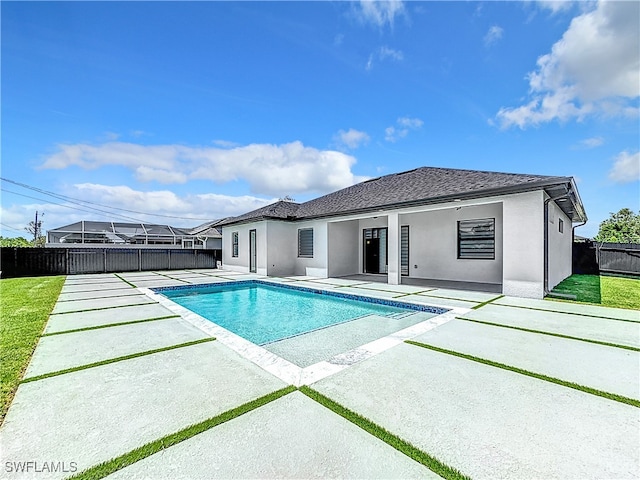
{"points": [[157, 373]]}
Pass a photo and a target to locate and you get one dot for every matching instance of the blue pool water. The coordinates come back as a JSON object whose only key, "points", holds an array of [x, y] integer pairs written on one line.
{"points": [[264, 313]]}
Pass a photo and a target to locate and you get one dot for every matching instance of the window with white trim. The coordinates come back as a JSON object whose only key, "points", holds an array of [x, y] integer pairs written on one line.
{"points": [[234, 244], [305, 242], [477, 239]]}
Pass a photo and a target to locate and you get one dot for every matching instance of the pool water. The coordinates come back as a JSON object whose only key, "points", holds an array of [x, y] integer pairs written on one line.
{"points": [[264, 313]]}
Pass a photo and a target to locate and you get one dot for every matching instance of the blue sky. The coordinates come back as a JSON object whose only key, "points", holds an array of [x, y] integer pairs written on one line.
{"points": [[183, 112]]}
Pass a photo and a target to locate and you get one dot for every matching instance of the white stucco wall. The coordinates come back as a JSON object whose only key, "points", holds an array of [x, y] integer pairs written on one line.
{"points": [[241, 262], [344, 248], [523, 244], [281, 248], [433, 245], [316, 266], [560, 246]]}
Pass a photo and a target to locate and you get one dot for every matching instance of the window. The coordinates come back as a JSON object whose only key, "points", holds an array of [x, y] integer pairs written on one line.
{"points": [[234, 244], [404, 250], [305, 242], [477, 239], [560, 225]]}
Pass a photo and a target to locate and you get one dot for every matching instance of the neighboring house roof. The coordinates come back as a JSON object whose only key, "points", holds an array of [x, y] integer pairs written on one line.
{"points": [[130, 230], [421, 186]]}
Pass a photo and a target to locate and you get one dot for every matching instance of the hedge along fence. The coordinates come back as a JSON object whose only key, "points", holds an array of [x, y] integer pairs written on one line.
{"points": [[30, 262], [614, 258]]}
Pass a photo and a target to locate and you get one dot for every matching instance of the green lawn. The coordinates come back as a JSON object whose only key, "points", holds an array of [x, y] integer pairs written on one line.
{"points": [[25, 305], [607, 291]]}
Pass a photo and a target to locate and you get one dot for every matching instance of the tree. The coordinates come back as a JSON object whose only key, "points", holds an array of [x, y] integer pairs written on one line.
{"points": [[14, 242], [621, 227]]}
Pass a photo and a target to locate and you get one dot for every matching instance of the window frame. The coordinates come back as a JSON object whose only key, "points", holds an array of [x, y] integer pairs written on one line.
{"points": [[234, 244], [302, 254], [560, 225], [480, 254]]}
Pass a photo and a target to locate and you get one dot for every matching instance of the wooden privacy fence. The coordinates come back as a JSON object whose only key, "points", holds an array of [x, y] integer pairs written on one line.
{"points": [[596, 257], [27, 262]]}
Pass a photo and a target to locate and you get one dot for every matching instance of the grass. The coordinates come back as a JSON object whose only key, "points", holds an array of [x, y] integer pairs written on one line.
{"points": [[107, 468], [432, 463], [557, 381], [25, 305], [620, 292]]}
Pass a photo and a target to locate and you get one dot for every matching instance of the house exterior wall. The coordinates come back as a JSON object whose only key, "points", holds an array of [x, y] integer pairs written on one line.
{"points": [[560, 246], [241, 262], [213, 243], [281, 248], [523, 245], [344, 241], [433, 245], [316, 266], [433, 241]]}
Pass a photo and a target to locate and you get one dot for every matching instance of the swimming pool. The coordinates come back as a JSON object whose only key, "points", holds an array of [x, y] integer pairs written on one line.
{"points": [[264, 312]]}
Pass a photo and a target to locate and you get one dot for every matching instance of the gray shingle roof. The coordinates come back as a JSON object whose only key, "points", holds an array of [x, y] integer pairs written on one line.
{"points": [[280, 209], [419, 186]]}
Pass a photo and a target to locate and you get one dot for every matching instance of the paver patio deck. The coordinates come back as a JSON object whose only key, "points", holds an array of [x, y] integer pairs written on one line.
{"points": [[96, 303], [92, 415], [483, 420], [94, 294], [59, 352], [488, 422], [609, 369], [555, 306], [591, 328], [292, 437], [71, 321]]}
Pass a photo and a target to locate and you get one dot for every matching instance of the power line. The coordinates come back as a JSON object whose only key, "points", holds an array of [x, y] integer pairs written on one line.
{"points": [[12, 228], [104, 214], [76, 200]]}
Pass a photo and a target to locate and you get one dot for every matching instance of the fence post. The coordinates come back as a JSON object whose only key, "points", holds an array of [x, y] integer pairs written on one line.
{"points": [[104, 263], [169, 252], [139, 259], [67, 267]]}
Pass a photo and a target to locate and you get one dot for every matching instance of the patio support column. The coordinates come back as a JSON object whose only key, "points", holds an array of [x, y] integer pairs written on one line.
{"points": [[393, 244]]}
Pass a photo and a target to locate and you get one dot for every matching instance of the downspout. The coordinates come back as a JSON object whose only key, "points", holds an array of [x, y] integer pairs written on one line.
{"points": [[546, 240]]}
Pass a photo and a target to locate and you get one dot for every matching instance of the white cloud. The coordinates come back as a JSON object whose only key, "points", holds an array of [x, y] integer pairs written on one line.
{"points": [[338, 39], [413, 123], [593, 69], [626, 168], [269, 169], [555, 6], [384, 53], [351, 138], [493, 35], [379, 12], [401, 129], [592, 142], [195, 209]]}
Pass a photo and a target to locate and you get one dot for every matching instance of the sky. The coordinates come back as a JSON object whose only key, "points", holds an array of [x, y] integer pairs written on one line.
{"points": [[183, 112]]}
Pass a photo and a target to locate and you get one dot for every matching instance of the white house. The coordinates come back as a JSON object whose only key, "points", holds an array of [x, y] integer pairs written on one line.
{"points": [[510, 232]]}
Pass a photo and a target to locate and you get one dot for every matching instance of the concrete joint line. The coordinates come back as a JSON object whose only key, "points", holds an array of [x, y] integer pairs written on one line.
{"points": [[114, 360], [539, 376]]}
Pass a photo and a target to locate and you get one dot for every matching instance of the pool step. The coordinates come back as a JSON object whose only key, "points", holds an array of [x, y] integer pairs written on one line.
{"points": [[400, 315]]}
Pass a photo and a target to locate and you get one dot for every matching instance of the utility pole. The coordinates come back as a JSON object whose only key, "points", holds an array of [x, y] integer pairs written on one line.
{"points": [[35, 227]]}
